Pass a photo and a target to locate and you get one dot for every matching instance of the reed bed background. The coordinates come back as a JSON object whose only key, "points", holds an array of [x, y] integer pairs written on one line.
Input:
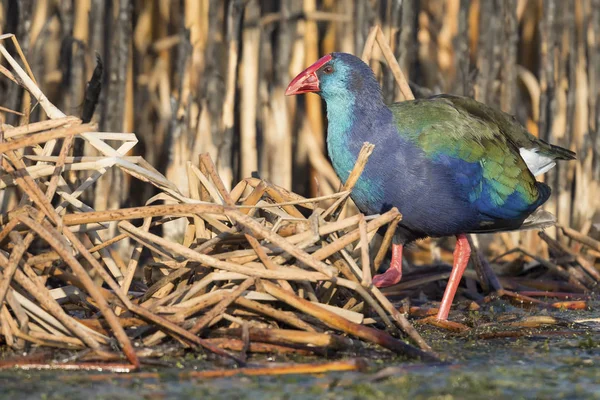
{"points": [[199, 76], [236, 250]]}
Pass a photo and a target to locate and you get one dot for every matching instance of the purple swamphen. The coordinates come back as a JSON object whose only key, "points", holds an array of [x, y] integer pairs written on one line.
{"points": [[450, 164]]}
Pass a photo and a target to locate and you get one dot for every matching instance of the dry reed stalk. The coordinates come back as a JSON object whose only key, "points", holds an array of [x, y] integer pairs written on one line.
{"points": [[141, 212], [207, 162], [133, 260], [268, 263], [13, 263], [385, 244], [349, 365], [50, 124], [363, 157], [578, 236], [585, 264], [249, 91], [289, 337], [220, 248], [180, 332], [348, 238], [259, 230], [20, 313], [258, 347], [210, 261], [254, 197], [288, 318], [87, 281], [49, 304], [7, 326], [221, 306], [335, 321], [364, 253], [401, 321], [27, 366], [27, 79], [393, 64]]}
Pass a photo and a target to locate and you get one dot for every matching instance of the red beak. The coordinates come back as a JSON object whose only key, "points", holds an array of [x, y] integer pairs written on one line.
{"points": [[307, 80]]}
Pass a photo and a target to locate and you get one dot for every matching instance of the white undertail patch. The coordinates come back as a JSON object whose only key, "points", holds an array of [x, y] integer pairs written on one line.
{"points": [[537, 163]]}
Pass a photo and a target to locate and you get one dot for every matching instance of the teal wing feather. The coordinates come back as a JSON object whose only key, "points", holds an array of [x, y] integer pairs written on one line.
{"points": [[483, 161], [507, 125]]}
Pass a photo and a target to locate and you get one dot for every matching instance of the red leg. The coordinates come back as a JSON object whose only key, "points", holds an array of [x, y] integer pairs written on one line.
{"points": [[394, 272], [462, 252]]}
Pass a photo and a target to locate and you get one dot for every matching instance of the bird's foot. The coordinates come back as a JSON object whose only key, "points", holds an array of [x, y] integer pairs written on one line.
{"points": [[394, 273], [388, 278]]}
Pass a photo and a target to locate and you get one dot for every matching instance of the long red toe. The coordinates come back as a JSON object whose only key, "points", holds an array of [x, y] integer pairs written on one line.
{"points": [[394, 273]]}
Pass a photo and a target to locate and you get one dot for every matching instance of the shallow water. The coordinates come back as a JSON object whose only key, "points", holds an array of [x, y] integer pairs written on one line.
{"points": [[546, 364]]}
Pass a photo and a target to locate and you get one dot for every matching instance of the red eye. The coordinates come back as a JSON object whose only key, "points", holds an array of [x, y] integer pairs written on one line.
{"points": [[328, 69]]}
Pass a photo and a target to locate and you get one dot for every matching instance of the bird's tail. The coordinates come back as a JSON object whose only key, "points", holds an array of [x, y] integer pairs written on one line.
{"points": [[556, 152], [540, 219]]}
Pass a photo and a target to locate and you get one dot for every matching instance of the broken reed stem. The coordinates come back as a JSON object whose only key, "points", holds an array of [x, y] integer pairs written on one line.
{"points": [[364, 252], [142, 212], [172, 294], [336, 322], [348, 238], [386, 242], [369, 44], [41, 295], [221, 306], [65, 252], [180, 332], [363, 157], [290, 337], [13, 264], [261, 231], [23, 245], [28, 82], [580, 237], [393, 64], [207, 161], [133, 260], [308, 203], [281, 273], [287, 318], [29, 186], [40, 126], [44, 137], [267, 261], [585, 265], [479, 269], [258, 347]]}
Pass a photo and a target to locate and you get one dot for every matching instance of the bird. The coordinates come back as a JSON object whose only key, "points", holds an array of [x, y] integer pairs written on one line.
{"points": [[451, 165]]}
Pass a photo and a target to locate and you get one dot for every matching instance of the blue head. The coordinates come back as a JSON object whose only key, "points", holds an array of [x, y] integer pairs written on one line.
{"points": [[355, 113], [338, 78]]}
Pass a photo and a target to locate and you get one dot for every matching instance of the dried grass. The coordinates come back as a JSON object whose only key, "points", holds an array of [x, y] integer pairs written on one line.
{"points": [[238, 251], [257, 267]]}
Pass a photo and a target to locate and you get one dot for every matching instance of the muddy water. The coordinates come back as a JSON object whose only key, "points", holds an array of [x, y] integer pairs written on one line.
{"points": [[551, 362]]}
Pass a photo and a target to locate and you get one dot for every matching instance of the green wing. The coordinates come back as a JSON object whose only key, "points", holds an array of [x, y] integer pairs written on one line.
{"points": [[485, 159], [507, 125]]}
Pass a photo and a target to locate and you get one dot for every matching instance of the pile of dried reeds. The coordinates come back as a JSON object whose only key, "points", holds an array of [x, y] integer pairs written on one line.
{"points": [[260, 268], [201, 76]]}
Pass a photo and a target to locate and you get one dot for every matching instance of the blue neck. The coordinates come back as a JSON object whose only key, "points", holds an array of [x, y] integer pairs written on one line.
{"points": [[352, 122]]}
